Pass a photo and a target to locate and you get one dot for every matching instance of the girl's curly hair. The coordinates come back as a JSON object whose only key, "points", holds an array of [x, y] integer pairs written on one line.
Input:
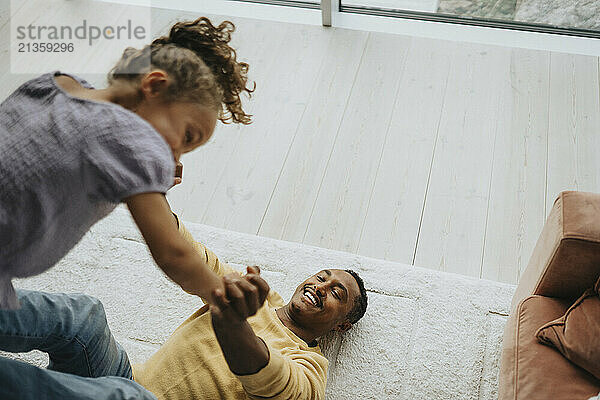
{"points": [[204, 68]]}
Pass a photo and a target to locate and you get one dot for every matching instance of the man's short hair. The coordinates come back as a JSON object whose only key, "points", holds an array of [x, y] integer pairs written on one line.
{"points": [[360, 302]]}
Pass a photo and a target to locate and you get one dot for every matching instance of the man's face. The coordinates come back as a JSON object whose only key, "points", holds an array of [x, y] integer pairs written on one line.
{"points": [[322, 302]]}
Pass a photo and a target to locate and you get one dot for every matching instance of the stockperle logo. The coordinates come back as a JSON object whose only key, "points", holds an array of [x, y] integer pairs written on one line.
{"points": [[85, 31], [77, 36]]}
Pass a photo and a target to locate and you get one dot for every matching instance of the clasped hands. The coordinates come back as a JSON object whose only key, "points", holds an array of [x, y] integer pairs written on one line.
{"points": [[242, 298]]}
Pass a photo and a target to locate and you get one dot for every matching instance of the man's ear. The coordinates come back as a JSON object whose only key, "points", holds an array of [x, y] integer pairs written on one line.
{"points": [[343, 327]]}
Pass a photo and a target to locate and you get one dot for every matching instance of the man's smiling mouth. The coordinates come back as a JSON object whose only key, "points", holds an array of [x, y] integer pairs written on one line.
{"points": [[312, 297]]}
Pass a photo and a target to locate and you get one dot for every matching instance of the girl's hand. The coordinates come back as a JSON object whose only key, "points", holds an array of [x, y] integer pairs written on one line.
{"points": [[242, 298]]}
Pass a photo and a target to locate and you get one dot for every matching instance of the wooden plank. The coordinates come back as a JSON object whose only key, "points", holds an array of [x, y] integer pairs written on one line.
{"points": [[5, 12], [256, 43], [241, 198], [453, 224], [163, 19], [516, 210], [160, 21], [342, 201], [290, 208], [573, 143], [9, 81], [392, 221], [104, 53]]}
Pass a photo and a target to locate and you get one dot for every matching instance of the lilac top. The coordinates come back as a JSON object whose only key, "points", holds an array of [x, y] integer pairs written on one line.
{"points": [[65, 163]]}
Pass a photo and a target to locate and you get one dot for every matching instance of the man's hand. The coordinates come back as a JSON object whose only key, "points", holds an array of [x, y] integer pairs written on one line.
{"points": [[242, 298]]}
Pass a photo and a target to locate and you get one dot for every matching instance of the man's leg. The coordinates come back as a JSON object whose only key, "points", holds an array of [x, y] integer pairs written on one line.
{"points": [[72, 329], [22, 381]]}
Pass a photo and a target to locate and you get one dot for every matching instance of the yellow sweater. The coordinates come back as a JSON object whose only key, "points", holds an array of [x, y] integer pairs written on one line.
{"points": [[191, 366]]}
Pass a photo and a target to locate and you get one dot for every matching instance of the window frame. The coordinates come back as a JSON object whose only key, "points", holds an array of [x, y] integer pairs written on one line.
{"points": [[328, 13]]}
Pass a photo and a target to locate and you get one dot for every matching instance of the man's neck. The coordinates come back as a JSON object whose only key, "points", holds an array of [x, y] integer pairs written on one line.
{"points": [[286, 319]]}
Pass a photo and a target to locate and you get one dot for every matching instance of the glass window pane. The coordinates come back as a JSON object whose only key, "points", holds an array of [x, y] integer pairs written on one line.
{"points": [[300, 3], [569, 14], [410, 5]]}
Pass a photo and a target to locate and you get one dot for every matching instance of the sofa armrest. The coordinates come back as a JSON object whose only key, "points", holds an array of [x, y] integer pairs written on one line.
{"points": [[566, 259]]}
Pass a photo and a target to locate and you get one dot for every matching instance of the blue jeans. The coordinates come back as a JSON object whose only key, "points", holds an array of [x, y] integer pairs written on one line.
{"points": [[86, 362]]}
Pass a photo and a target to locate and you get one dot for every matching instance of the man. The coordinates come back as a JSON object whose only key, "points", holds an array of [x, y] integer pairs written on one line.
{"points": [[220, 351]]}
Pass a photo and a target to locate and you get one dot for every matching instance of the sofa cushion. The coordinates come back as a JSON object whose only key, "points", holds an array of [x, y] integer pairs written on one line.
{"points": [[533, 371], [566, 258], [576, 334]]}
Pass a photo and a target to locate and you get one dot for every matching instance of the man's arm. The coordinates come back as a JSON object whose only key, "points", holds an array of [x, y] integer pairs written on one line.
{"points": [[244, 352], [265, 373], [212, 260]]}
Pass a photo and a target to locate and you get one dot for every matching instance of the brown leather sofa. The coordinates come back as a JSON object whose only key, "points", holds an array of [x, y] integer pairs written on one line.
{"points": [[564, 263]]}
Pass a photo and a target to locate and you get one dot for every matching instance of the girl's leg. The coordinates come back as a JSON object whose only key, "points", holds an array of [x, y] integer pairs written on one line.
{"points": [[22, 381], [72, 329]]}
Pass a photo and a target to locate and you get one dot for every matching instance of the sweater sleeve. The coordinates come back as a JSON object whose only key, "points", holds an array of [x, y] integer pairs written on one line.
{"points": [[300, 375], [212, 260], [221, 268]]}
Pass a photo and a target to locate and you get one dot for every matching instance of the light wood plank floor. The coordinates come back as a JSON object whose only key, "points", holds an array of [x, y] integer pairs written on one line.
{"points": [[439, 154]]}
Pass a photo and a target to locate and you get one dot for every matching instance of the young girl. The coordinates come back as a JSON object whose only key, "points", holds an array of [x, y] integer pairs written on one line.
{"points": [[70, 153]]}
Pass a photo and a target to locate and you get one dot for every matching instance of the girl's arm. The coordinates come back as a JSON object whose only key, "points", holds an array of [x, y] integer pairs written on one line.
{"points": [[174, 255]]}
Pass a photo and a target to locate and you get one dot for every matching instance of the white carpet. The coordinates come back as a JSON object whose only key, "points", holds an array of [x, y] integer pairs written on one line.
{"points": [[426, 334]]}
